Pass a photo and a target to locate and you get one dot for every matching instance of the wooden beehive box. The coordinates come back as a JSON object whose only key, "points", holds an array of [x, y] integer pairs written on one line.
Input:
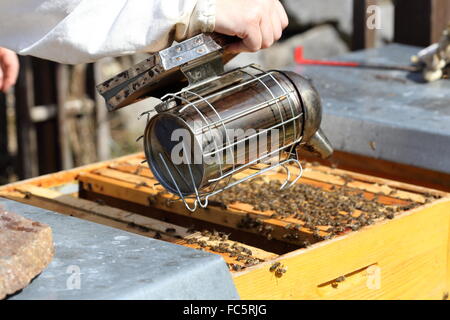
{"points": [[346, 235]]}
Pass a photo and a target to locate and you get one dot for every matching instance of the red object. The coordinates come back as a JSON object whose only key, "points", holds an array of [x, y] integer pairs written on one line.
{"points": [[298, 56]]}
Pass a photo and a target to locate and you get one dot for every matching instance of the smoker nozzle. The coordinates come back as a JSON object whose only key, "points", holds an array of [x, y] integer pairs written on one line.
{"points": [[319, 145]]}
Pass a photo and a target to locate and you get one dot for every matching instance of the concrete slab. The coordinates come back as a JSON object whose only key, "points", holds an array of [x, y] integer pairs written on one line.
{"points": [[93, 261]]}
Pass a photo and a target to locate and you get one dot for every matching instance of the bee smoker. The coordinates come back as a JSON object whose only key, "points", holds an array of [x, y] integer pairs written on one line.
{"points": [[215, 124]]}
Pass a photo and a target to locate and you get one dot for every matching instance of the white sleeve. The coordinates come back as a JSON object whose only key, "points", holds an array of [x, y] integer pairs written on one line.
{"points": [[79, 31]]}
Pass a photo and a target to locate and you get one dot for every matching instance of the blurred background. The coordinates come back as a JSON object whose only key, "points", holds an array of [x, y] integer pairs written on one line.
{"points": [[55, 120]]}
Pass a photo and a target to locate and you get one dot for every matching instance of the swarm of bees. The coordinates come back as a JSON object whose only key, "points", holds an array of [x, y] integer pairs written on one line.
{"points": [[336, 210], [218, 242], [248, 222], [325, 212]]}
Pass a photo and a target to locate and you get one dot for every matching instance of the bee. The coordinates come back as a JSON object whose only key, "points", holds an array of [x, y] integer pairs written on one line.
{"points": [[219, 204], [224, 237], [280, 271], [236, 267], [138, 227], [274, 266], [171, 230], [169, 203], [218, 249], [306, 243], [240, 257], [151, 200], [288, 226], [100, 202], [206, 233], [250, 262], [141, 184]]}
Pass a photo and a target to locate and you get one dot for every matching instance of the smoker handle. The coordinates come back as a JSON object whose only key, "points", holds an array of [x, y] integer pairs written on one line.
{"points": [[223, 41]]}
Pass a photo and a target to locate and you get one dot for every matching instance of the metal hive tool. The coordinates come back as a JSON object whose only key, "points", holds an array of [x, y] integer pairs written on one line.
{"points": [[217, 124]]}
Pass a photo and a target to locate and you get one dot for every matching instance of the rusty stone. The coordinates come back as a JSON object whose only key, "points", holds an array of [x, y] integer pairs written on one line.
{"points": [[26, 248]]}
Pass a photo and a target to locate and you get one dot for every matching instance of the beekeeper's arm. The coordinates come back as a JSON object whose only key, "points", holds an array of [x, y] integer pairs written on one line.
{"points": [[78, 31], [9, 69]]}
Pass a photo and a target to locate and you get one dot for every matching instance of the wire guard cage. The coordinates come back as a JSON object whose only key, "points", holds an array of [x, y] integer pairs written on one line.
{"points": [[244, 119]]}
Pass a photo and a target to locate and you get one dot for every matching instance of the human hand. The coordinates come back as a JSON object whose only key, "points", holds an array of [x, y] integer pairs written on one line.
{"points": [[259, 23], [9, 69]]}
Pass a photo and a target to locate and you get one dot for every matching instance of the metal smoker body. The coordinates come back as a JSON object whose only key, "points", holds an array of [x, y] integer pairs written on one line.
{"points": [[208, 105]]}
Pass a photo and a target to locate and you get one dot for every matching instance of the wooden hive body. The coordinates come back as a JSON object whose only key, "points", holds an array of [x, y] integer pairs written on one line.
{"points": [[405, 257]]}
